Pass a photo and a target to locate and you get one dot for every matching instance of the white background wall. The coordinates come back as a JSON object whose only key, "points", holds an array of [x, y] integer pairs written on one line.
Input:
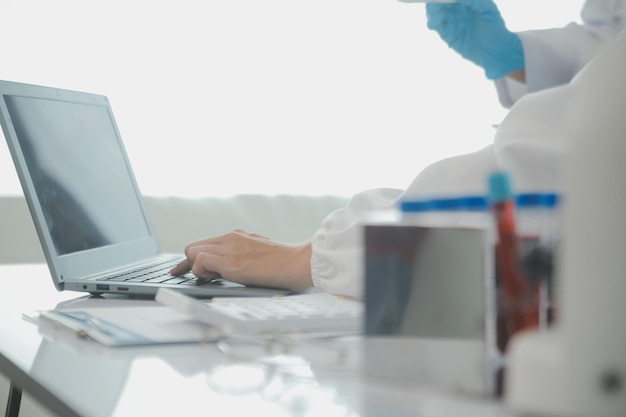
{"points": [[222, 97]]}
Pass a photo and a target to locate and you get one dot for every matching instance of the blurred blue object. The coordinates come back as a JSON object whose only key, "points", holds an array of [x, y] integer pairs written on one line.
{"points": [[476, 30]]}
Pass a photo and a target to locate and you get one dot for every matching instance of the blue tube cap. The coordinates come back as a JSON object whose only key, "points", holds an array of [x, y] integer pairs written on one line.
{"points": [[499, 187]]}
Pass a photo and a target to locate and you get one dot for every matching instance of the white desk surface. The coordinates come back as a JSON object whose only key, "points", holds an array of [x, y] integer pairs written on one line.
{"points": [[76, 377]]}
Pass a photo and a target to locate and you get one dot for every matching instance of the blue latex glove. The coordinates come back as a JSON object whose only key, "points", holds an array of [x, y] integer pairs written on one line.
{"points": [[475, 29]]}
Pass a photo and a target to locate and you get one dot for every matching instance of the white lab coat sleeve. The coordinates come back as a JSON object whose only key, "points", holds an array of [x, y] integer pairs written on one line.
{"points": [[337, 247], [531, 152], [554, 56]]}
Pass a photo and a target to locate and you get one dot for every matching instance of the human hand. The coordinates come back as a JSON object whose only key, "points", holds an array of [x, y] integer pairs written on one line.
{"points": [[475, 29], [249, 259]]}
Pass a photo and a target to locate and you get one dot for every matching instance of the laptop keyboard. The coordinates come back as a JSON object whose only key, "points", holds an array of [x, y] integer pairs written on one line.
{"points": [[157, 272]]}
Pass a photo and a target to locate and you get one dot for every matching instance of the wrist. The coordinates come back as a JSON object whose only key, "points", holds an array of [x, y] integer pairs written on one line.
{"points": [[295, 272], [519, 75]]}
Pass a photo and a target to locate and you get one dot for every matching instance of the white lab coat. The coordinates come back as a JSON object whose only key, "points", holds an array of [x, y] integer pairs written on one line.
{"points": [[554, 56], [531, 151]]}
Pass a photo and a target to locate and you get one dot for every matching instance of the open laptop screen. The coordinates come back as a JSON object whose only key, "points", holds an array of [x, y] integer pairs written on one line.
{"points": [[79, 172]]}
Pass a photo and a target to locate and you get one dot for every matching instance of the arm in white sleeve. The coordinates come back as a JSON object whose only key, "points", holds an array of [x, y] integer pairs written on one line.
{"points": [[529, 144], [554, 56]]}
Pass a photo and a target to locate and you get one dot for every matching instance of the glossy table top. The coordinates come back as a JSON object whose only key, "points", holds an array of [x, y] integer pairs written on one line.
{"points": [[72, 376]]}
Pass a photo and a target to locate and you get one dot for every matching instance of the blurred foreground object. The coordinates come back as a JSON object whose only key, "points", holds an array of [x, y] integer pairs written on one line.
{"points": [[578, 367]]}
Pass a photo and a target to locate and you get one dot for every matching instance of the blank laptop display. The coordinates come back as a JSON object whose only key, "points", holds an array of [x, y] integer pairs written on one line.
{"points": [[83, 197]]}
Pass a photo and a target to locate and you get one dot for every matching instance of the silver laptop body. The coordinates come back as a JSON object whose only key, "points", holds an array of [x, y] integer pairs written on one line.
{"points": [[83, 197]]}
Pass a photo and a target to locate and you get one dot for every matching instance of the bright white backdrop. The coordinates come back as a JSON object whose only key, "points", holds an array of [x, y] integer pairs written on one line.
{"points": [[220, 97]]}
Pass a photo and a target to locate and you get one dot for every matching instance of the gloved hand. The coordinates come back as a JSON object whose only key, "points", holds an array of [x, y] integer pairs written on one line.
{"points": [[475, 29]]}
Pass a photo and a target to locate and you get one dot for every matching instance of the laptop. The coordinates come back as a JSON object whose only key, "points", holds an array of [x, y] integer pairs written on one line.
{"points": [[84, 200]]}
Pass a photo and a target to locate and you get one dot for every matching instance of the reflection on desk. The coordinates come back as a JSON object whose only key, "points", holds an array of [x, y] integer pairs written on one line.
{"points": [[288, 377]]}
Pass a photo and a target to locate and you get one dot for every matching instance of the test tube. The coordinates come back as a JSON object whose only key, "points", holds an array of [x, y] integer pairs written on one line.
{"points": [[517, 300]]}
